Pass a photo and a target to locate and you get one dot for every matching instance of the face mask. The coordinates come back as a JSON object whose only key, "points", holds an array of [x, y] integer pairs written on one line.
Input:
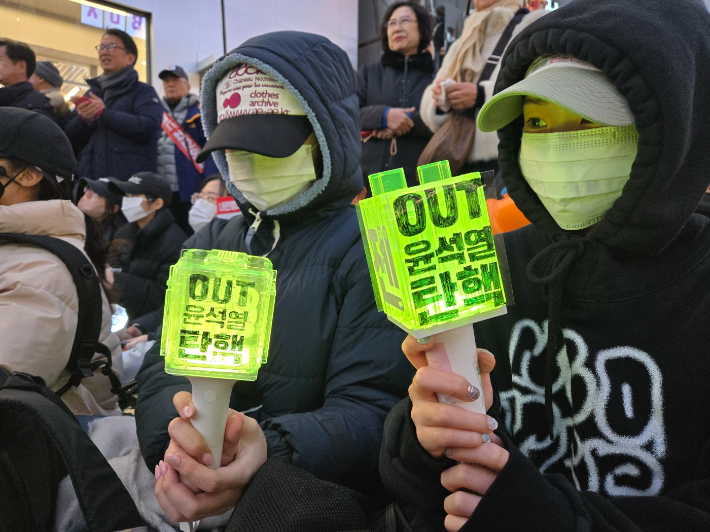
{"points": [[578, 174], [132, 209], [200, 214], [269, 181]]}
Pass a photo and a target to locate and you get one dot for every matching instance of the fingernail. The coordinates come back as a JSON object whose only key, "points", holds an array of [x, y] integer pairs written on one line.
{"points": [[157, 473], [163, 468], [486, 438], [187, 411], [492, 423], [447, 452], [487, 351], [473, 392], [174, 459], [424, 340], [207, 459]]}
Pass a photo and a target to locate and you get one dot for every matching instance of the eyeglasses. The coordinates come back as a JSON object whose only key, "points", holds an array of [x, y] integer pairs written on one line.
{"points": [[207, 196], [109, 47], [404, 21]]}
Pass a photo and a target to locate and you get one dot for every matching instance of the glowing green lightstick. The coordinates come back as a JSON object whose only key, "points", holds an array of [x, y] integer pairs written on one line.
{"points": [[433, 262], [218, 311]]}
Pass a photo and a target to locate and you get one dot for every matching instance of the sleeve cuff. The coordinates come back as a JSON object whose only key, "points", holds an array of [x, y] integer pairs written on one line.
{"points": [[384, 117]]}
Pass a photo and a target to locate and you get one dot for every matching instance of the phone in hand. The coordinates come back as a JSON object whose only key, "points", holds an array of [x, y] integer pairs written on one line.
{"points": [[76, 100]]}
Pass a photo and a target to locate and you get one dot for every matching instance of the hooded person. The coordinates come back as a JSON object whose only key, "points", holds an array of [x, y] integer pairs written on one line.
{"points": [[601, 365], [282, 119]]}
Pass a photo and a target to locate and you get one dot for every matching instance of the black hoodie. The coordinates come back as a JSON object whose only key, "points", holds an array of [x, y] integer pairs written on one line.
{"points": [[629, 394]]}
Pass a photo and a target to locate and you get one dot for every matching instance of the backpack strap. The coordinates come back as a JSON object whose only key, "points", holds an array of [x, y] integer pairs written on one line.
{"points": [[497, 54], [104, 502]]}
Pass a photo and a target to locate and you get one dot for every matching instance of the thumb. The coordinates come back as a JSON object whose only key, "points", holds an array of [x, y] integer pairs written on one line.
{"points": [[232, 435], [410, 109]]}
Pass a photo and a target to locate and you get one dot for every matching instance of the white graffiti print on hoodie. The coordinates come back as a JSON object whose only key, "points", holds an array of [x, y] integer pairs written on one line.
{"points": [[624, 458]]}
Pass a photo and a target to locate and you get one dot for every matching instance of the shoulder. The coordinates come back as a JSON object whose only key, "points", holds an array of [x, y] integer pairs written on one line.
{"points": [[530, 18], [498, 20]]}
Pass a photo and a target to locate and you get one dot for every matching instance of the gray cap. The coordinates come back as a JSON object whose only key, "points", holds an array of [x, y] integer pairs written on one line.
{"points": [[563, 80], [49, 73], [173, 70]]}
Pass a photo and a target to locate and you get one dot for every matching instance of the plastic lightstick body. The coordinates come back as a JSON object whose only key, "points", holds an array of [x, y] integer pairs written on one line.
{"points": [[216, 329], [433, 263]]}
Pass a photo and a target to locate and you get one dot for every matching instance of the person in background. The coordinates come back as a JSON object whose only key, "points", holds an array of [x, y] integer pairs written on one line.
{"points": [[118, 119], [390, 92], [463, 63], [38, 297], [143, 250], [17, 64], [180, 142], [204, 202], [96, 200], [47, 80]]}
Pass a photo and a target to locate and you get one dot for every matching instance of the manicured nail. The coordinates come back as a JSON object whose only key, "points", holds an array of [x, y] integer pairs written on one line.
{"points": [[424, 340], [487, 351], [473, 392], [486, 438], [174, 459], [187, 411], [207, 459], [492, 423], [157, 473], [163, 468]]}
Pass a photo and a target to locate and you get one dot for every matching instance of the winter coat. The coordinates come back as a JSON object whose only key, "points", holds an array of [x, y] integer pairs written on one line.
{"points": [[124, 139], [145, 256], [629, 301], [485, 145], [395, 81], [335, 366], [39, 305], [24, 96], [177, 169]]}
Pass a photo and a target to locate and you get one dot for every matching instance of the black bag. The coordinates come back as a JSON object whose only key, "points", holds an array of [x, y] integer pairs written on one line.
{"points": [[40, 443], [88, 327]]}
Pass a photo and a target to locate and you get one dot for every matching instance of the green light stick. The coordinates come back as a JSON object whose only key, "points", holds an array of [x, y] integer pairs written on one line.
{"points": [[433, 262], [218, 311]]}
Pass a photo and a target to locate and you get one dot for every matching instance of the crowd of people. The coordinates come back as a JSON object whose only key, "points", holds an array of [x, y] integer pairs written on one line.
{"points": [[594, 380]]}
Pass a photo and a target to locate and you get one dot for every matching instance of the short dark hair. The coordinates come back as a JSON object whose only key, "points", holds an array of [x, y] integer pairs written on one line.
{"points": [[128, 43], [19, 51], [424, 21]]}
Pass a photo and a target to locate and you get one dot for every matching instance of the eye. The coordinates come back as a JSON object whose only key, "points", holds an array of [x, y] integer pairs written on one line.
{"points": [[536, 123]]}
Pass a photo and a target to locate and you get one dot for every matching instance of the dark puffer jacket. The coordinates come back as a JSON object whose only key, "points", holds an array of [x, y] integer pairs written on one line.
{"points": [[24, 96], [124, 139], [335, 366], [145, 256], [394, 82]]}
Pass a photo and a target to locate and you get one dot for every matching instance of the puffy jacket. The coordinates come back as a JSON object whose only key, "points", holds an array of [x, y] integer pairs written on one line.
{"points": [[394, 82], [124, 139], [39, 305], [335, 366], [172, 163], [24, 96], [145, 256]]}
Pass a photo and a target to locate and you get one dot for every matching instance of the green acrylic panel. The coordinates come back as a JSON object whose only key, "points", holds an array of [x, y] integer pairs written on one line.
{"points": [[430, 249], [218, 311]]}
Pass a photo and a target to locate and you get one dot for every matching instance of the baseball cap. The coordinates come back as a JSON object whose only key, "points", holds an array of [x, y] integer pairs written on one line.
{"points": [[146, 183], [173, 70], [100, 186], [49, 73], [36, 139], [256, 113], [563, 80]]}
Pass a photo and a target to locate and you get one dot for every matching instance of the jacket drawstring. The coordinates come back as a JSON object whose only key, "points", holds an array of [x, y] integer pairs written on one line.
{"points": [[559, 258], [254, 227]]}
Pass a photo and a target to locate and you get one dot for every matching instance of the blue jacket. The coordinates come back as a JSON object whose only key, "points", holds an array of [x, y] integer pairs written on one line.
{"points": [[335, 365], [189, 178], [124, 139]]}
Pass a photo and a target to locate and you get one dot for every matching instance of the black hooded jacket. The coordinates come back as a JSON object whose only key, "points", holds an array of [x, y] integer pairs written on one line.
{"points": [[335, 366], [628, 396], [24, 96]]}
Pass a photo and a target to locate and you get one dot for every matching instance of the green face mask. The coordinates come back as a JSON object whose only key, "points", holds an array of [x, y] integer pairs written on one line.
{"points": [[578, 174]]}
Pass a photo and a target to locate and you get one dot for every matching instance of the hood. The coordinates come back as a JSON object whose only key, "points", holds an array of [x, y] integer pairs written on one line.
{"points": [[320, 76], [185, 103], [657, 54], [57, 218]]}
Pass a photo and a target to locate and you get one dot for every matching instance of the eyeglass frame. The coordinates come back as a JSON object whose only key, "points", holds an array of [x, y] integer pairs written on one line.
{"points": [[400, 22], [110, 47], [208, 198]]}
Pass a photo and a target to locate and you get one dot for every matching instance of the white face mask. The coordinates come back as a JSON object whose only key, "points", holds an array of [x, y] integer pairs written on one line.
{"points": [[132, 208], [201, 213], [578, 174], [270, 181]]}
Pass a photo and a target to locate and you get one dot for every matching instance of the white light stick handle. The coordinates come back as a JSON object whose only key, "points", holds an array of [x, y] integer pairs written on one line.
{"points": [[211, 399], [455, 351]]}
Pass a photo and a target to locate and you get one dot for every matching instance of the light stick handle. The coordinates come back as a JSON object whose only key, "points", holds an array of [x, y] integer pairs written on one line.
{"points": [[211, 399], [455, 351]]}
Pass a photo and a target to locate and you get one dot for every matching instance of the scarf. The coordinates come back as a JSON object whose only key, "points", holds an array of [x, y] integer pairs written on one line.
{"points": [[467, 63], [112, 81]]}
